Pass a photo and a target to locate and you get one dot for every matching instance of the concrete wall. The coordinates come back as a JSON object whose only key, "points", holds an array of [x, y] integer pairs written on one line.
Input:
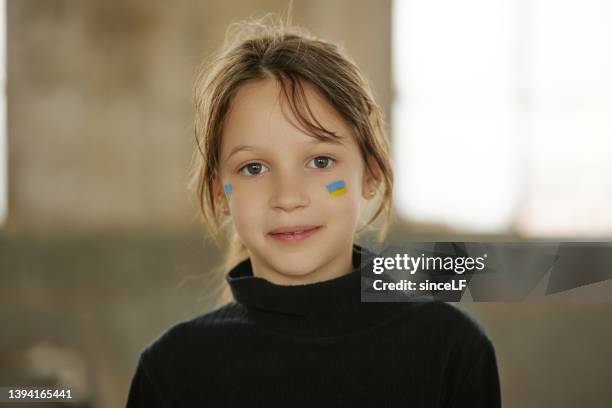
{"points": [[100, 111]]}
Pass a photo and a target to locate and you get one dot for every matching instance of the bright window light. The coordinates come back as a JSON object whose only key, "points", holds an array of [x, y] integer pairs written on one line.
{"points": [[502, 115]]}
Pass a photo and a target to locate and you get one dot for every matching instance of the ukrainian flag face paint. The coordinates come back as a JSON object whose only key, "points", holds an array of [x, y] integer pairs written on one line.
{"points": [[337, 188], [228, 190]]}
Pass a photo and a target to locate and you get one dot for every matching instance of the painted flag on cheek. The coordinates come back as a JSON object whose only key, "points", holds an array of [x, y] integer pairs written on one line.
{"points": [[337, 188], [228, 190]]}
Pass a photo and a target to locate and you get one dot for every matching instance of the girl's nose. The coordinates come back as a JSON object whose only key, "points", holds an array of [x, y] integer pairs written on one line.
{"points": [[289, 193]]}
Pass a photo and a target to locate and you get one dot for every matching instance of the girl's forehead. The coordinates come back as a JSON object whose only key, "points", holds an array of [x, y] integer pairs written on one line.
{"points": [[259, 111]]}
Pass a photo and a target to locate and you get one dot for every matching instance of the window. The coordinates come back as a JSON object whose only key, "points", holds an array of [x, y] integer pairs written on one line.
{"points": [[503, 115]]}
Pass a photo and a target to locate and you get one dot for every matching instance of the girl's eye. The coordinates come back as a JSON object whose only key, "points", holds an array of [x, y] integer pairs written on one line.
{"points": [[321, 162], [253, 169]]}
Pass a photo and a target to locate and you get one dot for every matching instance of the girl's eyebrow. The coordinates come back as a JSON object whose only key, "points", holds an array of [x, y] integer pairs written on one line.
{"points": [[327, 141], [241, 148]]}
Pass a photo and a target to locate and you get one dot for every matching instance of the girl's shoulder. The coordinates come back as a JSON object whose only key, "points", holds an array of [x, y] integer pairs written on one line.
{"points": [[437, 319], [450, 314], [198, 333], [182, 353]]}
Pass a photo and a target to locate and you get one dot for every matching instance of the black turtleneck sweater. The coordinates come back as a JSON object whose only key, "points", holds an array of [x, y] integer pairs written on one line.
{"points": [[317, 345]]}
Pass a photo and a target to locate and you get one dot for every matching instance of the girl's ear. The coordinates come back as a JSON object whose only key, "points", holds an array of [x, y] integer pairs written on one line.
{"points": [[371, 179]]}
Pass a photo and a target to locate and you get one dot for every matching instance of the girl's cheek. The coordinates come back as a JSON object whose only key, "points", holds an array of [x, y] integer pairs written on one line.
{"points": [[341, 197], [244, 217], [247, 190], [246, 202], [343, 191]]}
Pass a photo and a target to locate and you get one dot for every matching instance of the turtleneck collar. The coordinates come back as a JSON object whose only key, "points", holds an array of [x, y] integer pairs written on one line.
{"points": [[327, 308]]}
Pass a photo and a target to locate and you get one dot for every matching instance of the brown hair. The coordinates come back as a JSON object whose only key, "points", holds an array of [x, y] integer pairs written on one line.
{"points": [[260, 49]]}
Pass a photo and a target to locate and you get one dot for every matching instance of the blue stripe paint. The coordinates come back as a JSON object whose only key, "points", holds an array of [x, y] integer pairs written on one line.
{"points": [[336, 185], [228, 189]]}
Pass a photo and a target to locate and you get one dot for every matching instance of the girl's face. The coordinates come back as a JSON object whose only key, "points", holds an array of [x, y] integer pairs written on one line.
{"points": [[279, 179]]}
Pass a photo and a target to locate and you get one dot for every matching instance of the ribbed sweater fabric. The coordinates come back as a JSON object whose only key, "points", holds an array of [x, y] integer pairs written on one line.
{"points": [[318, 345]]}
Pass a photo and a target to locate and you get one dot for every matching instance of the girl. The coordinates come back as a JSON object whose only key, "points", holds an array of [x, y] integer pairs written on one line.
{"points": [[291, 146]]}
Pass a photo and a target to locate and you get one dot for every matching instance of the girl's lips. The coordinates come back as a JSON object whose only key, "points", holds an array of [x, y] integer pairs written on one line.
{"points": [[294, 234], [293, 228]]}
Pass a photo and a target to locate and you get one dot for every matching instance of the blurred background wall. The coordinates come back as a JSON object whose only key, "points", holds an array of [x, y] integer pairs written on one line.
{"points": [[100, 106], [101, 249]]}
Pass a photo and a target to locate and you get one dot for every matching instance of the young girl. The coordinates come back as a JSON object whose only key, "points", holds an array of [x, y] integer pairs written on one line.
{"points": [[292, 145]]}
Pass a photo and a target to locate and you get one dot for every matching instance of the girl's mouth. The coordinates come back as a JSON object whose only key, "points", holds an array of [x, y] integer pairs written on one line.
{"points": [[294, 234]]}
